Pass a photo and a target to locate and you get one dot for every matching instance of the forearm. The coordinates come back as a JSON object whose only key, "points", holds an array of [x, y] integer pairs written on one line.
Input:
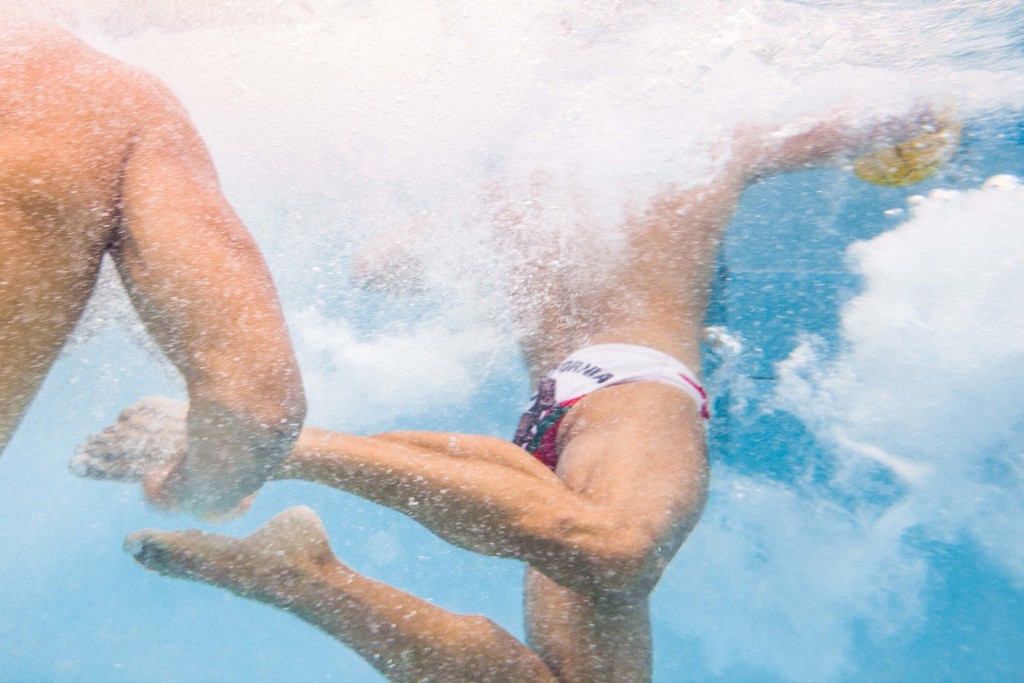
{"points": [[809, 143], [246, 401], [206, 296]]}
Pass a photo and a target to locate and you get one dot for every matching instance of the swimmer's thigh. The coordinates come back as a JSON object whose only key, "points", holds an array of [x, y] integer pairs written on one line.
{"points": [[45, 281], [638, 452]]}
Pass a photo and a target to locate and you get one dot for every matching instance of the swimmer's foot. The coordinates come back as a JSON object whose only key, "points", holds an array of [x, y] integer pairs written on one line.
{"points": [[148, 434], [287, 563], [277, 564]]}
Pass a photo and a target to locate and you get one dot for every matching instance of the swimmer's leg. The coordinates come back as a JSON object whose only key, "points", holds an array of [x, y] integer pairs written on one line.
{"points": [[46, 276], [489, 496], [288, 564], [585, 528], [585, 637]]}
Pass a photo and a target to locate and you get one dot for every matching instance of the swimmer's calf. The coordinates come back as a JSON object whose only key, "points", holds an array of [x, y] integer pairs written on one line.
{"points": [[288, 563]]}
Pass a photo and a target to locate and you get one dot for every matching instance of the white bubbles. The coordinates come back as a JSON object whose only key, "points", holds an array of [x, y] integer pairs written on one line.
{"points": [[927, 383], [936, 321], [363, 382], [334, 122], [786, 579], [375, 106], [1002, 182], [777, 580]]}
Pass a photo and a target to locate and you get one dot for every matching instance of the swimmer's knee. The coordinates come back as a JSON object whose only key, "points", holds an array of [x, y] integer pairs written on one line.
{"points": [[593, 550], [625, 562], [632, 568]]}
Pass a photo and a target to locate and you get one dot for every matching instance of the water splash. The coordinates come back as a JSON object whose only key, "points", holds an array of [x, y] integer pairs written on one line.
{"points": [[333, 121], [781, 577]]}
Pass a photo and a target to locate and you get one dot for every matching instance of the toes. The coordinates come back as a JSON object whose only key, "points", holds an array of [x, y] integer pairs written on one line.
{"points": [[177, 554], [97, 460], [125, 454], [106, 466], [272, 565], [152, 550], [86, 466]]}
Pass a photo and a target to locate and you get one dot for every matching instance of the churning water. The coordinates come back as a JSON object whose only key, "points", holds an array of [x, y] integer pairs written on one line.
{"points": [[867, 507]]}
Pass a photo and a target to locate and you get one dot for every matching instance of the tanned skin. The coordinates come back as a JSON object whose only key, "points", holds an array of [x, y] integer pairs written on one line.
{"points": [[97, 158], [596, 534]]}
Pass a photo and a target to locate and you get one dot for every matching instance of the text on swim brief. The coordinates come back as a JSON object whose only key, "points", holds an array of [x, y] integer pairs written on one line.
{"points": [[586, 369]]}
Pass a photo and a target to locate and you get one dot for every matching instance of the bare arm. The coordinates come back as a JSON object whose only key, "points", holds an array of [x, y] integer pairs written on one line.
{"points": [[198, 281], [806, 144]]}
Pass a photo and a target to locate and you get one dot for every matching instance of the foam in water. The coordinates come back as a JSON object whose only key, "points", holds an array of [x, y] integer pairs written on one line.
{"points": [[927, 383], [926, 386], [333, 121]]}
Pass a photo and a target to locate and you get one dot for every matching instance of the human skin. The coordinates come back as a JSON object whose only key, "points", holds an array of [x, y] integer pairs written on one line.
{"points": [[596, 534], [97, 158]]}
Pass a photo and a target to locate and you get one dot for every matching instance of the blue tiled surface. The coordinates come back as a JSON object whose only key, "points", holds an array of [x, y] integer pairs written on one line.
{"points": [[783, 273], [768, 311]]}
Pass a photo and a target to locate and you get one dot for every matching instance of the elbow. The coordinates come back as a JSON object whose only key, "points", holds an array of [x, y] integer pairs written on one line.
{"points": [[286, 417], [290, 402], [273, 404]]}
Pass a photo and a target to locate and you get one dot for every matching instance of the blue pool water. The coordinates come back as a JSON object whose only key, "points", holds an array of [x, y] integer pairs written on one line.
{"points": [[867, 506]]}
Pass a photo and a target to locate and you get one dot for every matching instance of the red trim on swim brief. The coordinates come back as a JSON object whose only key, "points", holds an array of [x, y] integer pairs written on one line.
{"points": [[705, 412], [547, 451]]}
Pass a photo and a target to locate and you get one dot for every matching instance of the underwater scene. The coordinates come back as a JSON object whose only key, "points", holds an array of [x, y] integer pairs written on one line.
{"points": [[864, 353]]}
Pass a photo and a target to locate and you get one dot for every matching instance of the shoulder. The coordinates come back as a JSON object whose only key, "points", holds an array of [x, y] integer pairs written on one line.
{"points": [[47, 65]]}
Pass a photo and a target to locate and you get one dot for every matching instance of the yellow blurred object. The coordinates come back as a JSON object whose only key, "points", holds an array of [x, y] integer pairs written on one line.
{"points": [[909, 162]]}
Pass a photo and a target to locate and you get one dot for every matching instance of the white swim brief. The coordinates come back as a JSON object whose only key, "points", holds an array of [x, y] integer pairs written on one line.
{"points": [[586, 371]]}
